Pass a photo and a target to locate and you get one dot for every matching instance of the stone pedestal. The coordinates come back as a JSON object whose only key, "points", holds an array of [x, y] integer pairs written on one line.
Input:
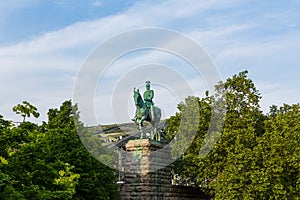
{"points": [[147, 175]]}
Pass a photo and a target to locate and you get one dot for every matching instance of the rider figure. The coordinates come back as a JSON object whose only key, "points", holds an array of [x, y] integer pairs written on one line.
{"points": [[148, 96]]}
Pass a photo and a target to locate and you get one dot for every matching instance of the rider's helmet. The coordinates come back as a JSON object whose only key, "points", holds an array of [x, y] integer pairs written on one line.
{"points": [[148, 84]]}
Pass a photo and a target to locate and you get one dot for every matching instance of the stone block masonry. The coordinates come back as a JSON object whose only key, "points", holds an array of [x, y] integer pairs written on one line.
{"points": [[148, 176]]}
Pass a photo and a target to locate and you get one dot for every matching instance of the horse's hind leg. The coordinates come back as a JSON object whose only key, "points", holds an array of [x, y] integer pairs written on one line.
{"points": [[157, 134], [152, 134]]}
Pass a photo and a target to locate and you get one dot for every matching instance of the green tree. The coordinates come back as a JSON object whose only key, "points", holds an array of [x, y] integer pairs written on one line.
{"points": [[32, 177], [97, 181], [278, 155], [50, 162], [26, 110], [4, 123], [227, 170], [4, 129], [188, 128], [7, 191], [232, 159]]}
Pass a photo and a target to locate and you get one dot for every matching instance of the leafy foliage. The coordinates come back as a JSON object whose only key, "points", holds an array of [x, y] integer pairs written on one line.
{"points": [[26, 110], [50, 162], [279, 153], [256, 156]]}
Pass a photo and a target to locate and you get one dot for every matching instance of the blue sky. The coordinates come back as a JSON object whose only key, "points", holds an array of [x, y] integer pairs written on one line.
{"points": [[43, 45], [36, 17]]}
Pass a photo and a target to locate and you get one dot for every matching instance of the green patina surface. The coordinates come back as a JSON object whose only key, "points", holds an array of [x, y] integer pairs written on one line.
{"points": [[137, 155]]}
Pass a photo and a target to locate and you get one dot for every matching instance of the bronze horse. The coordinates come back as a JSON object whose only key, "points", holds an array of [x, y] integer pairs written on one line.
{"points": [[142, 113]]}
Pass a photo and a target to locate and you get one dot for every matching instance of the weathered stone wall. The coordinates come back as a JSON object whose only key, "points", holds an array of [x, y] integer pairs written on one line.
{"points": [[148, 178], [185, 193]]}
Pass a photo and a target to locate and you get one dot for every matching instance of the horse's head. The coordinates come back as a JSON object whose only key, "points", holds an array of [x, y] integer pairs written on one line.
{"points": [[138, 100]]}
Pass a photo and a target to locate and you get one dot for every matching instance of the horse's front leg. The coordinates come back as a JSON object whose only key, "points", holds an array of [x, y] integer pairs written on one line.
{"points": [[141, 126], [135, 118]]}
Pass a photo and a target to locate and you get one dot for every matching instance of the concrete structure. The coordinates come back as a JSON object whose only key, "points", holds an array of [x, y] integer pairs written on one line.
{"points": [[147, 176]]}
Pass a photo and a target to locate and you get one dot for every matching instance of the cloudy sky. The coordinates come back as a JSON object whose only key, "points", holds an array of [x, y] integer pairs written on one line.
{"points": [[45, 43]]}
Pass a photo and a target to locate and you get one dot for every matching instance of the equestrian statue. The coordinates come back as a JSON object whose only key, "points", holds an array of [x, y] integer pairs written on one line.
{"points": [[145, 110]]}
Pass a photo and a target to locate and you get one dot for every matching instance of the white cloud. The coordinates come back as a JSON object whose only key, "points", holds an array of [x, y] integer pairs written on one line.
{"points": [[279, 96], [262, 48], [43, 69]]}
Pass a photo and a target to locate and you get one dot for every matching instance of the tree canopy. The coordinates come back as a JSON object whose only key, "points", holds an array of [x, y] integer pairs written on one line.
{"points": [[26, 110], [256, 155], [49, 161], [249, 155]]}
